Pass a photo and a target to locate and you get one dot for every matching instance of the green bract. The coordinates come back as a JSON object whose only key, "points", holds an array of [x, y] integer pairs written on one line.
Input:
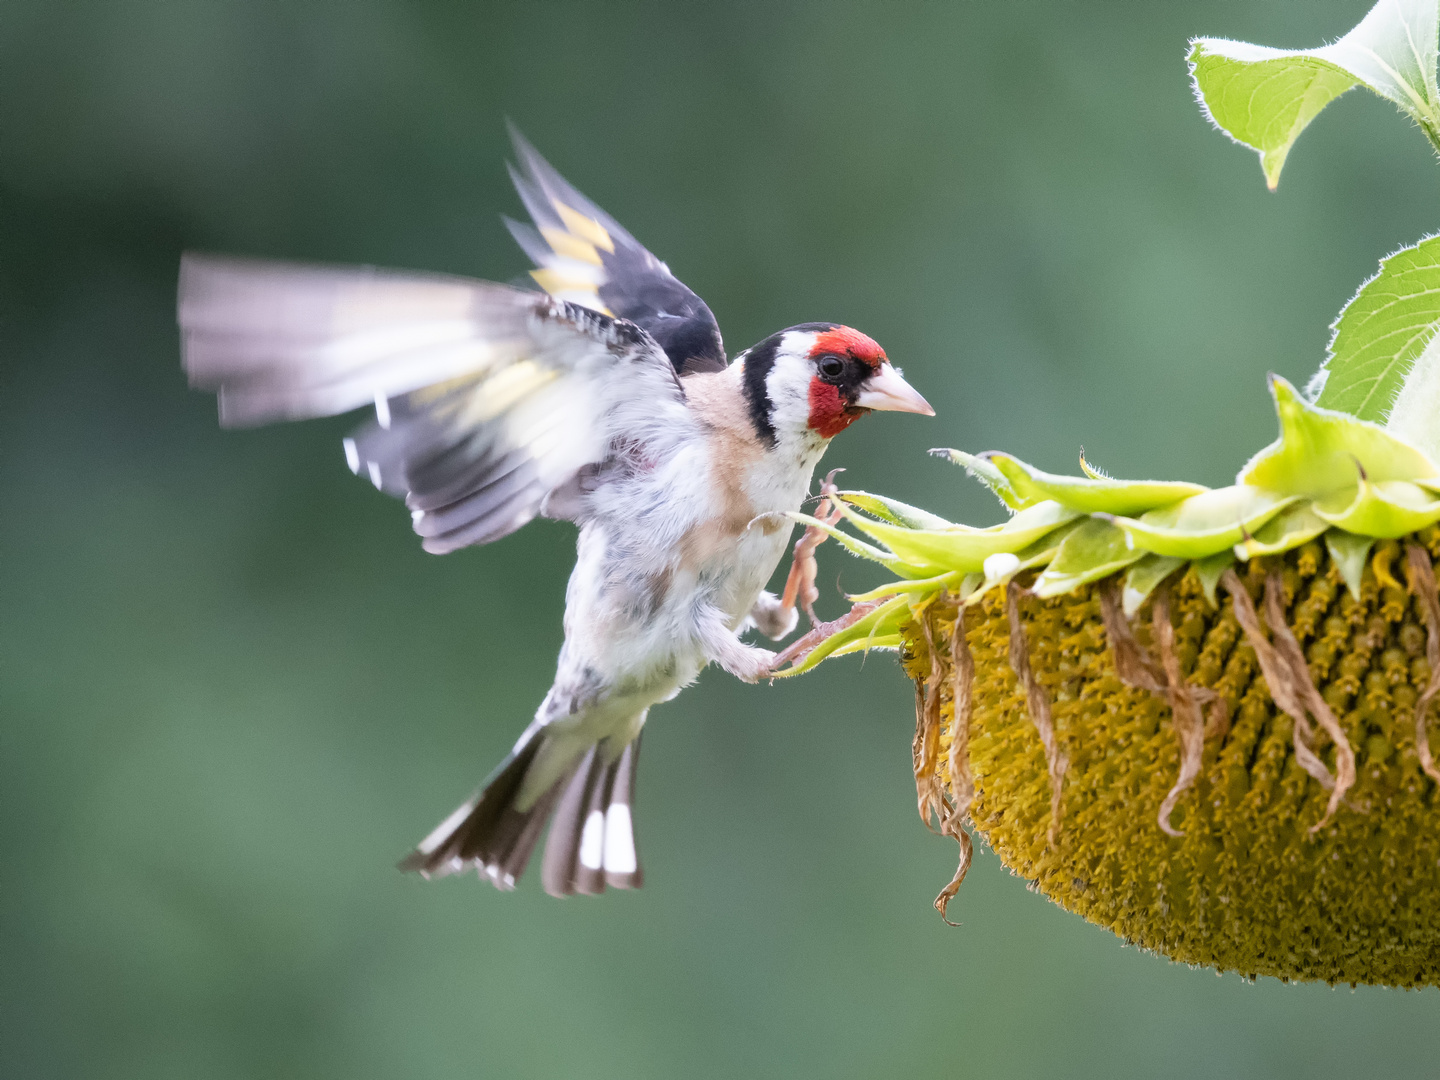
{"points": [[1320, 451], [1263, 97], [1328, 475], [1019, 486]]}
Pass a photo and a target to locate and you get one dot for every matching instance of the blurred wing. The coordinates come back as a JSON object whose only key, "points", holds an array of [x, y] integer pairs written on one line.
{"points": [[584, 255], [487, 398]]}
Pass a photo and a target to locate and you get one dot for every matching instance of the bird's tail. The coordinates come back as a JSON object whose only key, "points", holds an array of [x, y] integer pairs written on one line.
{"points": [[592, 835]]}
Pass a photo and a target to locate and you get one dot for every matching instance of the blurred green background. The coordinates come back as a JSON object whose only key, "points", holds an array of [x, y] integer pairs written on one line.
{"points": [[233, 690]]}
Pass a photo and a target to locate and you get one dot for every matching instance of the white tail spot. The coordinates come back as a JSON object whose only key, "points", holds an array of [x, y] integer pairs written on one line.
{"points": [[619, 840], [382, 410], [352, 456], [592, 841], [442, 831], [374, 472]]}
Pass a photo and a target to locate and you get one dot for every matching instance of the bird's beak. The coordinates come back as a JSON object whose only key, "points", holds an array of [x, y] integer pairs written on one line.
{"points": [[888, 392]]}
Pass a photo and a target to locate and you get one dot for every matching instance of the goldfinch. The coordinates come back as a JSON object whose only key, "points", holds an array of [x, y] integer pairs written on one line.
{"points": [[605, 400]]}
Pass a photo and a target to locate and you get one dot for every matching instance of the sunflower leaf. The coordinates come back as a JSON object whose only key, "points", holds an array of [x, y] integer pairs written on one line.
{"points": [[1382, 333], [1263, 98]]}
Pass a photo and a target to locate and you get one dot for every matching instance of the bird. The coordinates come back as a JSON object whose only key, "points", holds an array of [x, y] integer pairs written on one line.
{"points": [[604, 398]]}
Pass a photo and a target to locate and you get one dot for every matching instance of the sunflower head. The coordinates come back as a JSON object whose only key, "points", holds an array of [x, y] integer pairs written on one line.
{"points": [[1197, 717]]}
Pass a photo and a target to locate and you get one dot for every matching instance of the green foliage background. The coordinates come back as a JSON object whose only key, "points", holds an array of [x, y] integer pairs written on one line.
{"points": [[233, 690]]}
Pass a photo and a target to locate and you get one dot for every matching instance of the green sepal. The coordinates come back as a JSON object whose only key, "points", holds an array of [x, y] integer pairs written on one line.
{"points": [[1090, 495], [1320, 451], [1205, 523], [991, 477], [884, 621], [859, 547], [1093, 550], [1090, 470], [1350, 553], [1288, 529], [1327, 474], [883, 641], [920, 585], [895, 511], [1386, 509], [1209, 571], [1041, 553], [936, 551], [1140, 582]]}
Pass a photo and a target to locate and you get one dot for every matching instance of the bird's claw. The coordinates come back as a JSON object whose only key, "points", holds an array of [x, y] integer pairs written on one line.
{"points": [[800, 648], [759, 664]]}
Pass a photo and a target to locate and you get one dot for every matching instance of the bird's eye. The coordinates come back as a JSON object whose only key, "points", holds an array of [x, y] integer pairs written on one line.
{"points": [[831, 367]]}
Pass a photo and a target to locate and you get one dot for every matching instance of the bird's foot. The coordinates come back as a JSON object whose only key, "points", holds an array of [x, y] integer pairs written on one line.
{"points": [[800, 585], [800, 648], [750, 665]]}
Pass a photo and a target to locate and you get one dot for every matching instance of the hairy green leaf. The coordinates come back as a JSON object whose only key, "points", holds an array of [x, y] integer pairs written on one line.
{"points": [[917, 585], [1382, 332], [878, 641], [1417, 405], [1263, 97]]}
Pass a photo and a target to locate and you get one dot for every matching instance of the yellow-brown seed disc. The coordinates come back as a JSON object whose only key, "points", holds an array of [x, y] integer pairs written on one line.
{"points": [[1248, 887]]}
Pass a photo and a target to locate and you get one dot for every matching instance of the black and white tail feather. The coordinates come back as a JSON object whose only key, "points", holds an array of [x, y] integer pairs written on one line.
{"points": [[592, 831]]}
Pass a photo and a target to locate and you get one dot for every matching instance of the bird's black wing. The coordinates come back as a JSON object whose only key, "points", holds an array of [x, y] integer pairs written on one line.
{"points": [[585, 256], [492, 404]]}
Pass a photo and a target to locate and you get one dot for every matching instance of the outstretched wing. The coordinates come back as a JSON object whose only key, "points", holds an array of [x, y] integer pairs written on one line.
{"points": [[487, 399], [583, 255]]}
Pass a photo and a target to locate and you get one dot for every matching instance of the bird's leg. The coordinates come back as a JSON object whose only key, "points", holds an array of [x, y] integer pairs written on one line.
{"points": [[721, 645], [776, 616], [800, 585]]}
